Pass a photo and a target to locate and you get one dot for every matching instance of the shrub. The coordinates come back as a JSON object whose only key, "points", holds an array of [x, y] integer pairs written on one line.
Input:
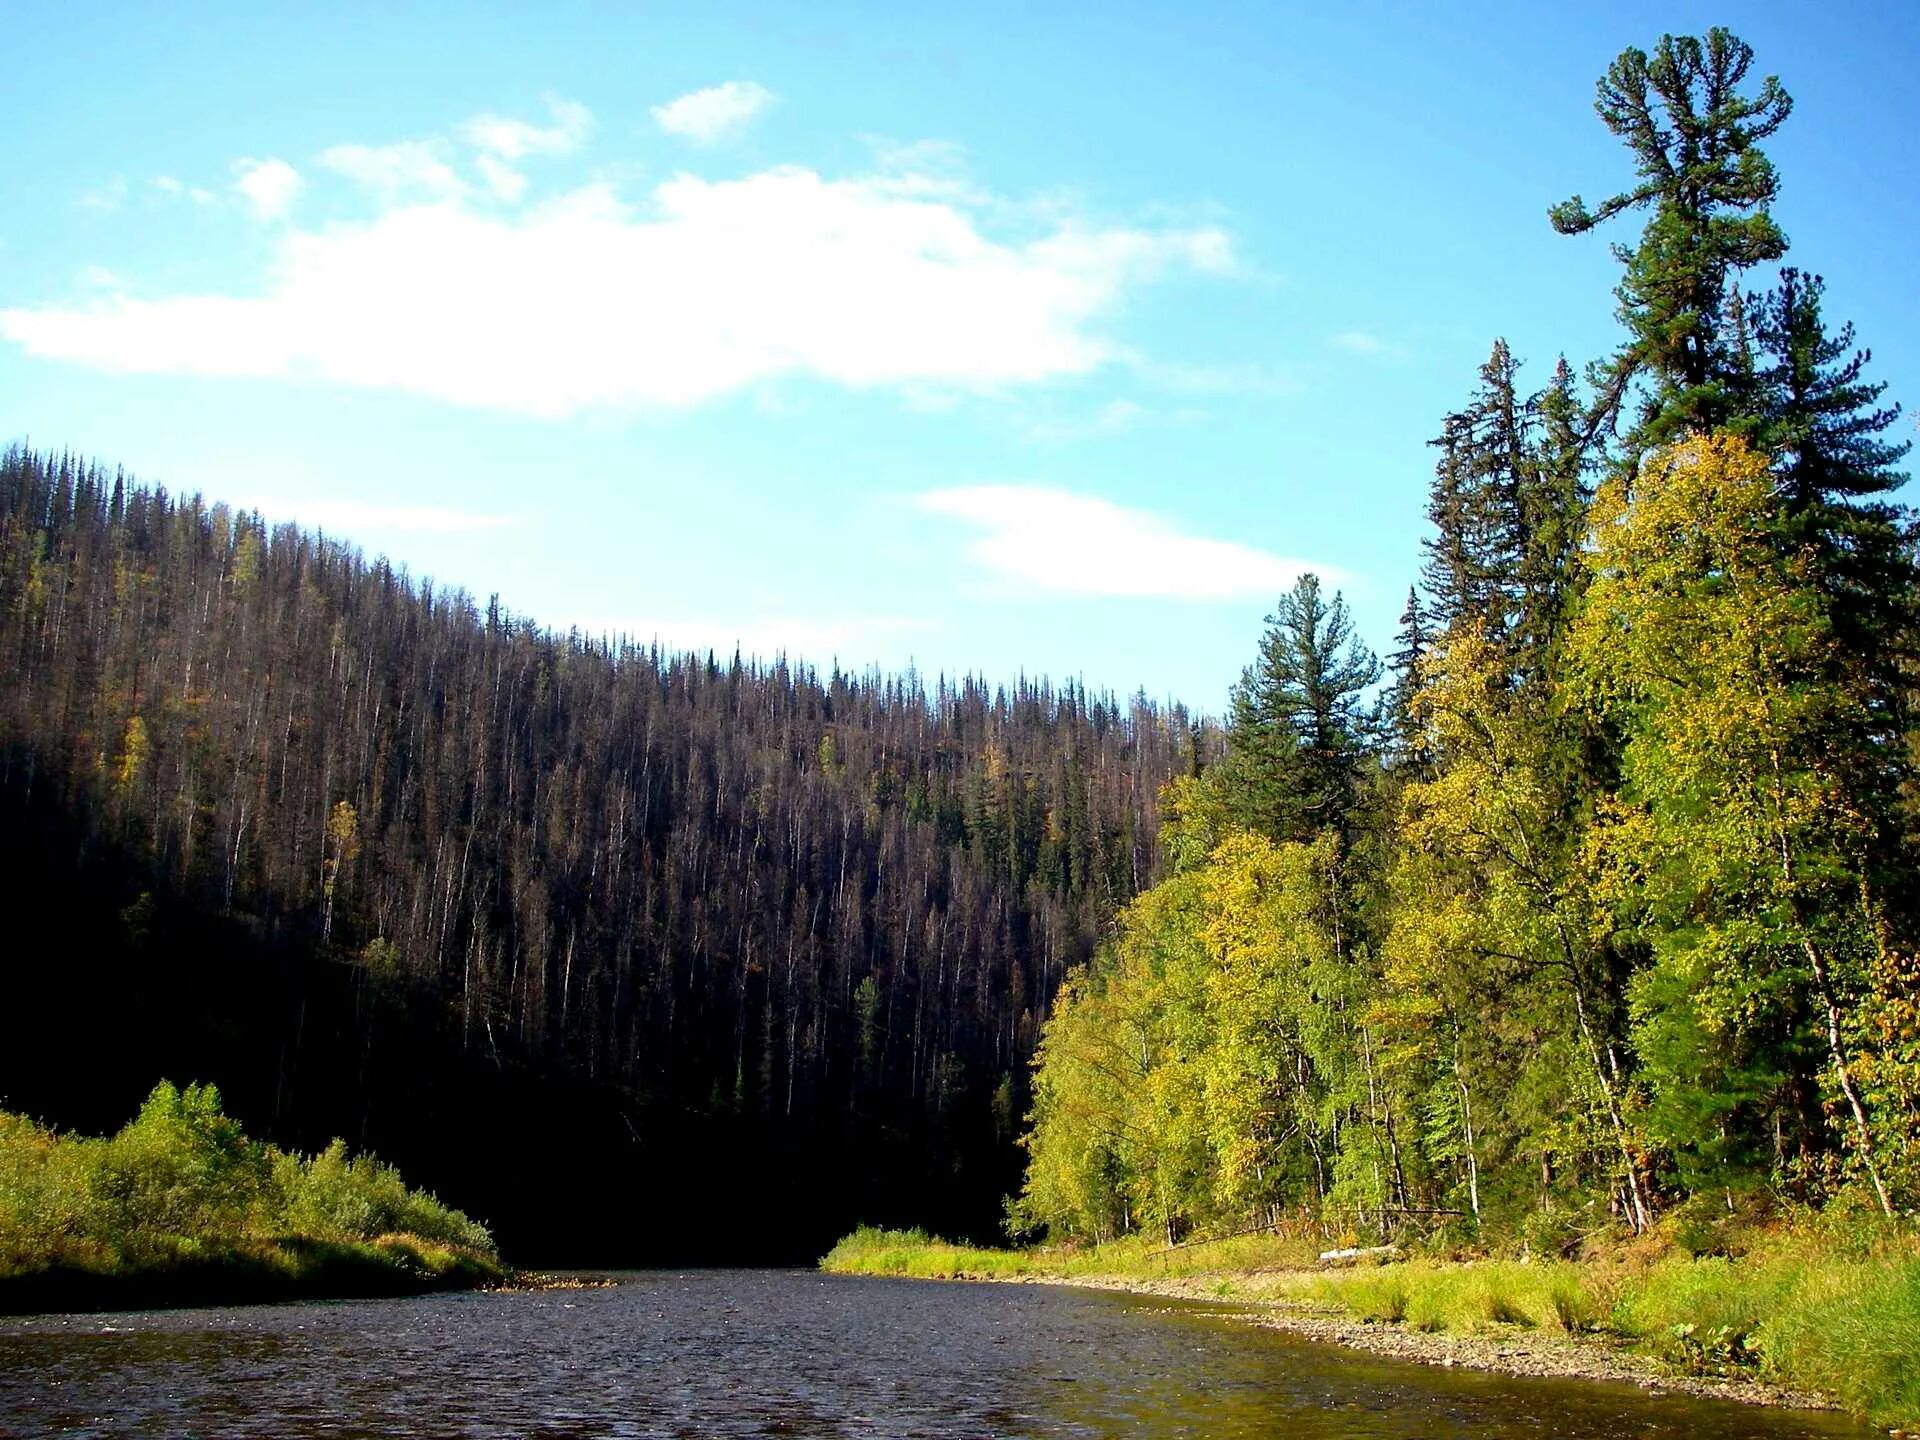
{"points": [[182, 1167], [182, 1183]]}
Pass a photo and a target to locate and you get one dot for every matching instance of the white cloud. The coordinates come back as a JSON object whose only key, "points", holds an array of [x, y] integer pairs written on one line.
{"points": [[502, 179], [425, 168], [587, 302], [406, 167], [269, 186], [1081, 545], [501, 140], [932, 168], [511, 139], [714, 113]]}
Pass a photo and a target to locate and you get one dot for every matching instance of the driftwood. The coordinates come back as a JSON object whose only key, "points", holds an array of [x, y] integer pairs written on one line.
{"points": [[1214, 1239], [1354, 1255]]}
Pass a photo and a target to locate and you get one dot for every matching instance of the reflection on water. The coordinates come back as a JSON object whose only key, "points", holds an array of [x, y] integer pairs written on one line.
{"points": [[780, 1353]]}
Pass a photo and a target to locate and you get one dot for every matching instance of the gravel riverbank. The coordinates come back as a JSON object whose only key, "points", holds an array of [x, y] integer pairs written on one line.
{"points": [[1521, 1351]]}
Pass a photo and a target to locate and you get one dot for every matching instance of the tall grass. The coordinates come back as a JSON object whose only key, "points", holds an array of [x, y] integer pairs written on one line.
{"points": [[917, 1255]]}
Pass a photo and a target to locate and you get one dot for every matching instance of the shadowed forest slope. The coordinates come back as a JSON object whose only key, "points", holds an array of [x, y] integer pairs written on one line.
{"points": [[634, 954]]}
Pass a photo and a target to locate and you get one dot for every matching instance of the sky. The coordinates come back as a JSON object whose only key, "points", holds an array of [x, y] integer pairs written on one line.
{"points": [[991, 338]]}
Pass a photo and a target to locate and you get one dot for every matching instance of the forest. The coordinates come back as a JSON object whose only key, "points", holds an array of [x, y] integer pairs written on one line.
{"points": [[634, 955], [1595, 903]]}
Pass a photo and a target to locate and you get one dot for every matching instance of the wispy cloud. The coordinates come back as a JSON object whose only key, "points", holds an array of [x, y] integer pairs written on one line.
{"points": [[416, 167], [106, 197], [177, 189], [268, 186], [586, 301], [513, 139], [1365, 342], [501, 140], [1074, 544], [716, 113], [491, 144], [1116, 417], [1218, 379]]}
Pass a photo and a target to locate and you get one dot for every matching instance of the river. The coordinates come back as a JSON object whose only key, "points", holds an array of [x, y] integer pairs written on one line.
{"points": [[786, 1353]]}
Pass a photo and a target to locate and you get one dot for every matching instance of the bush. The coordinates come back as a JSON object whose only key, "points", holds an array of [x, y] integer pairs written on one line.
{"points": [[182, 1167], [182, 1186]]}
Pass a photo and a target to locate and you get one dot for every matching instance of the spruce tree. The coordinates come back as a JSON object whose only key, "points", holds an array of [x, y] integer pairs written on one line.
{"points": [[1825, 425], [1506, 505], [1398, 721], [1300, 731]]}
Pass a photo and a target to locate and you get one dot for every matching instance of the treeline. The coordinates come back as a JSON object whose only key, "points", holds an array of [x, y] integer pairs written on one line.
{"points": [[375, 858], [1608, 905]]}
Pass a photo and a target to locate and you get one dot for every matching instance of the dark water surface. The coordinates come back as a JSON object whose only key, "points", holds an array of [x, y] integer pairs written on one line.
{"points": [[780, 1353]]}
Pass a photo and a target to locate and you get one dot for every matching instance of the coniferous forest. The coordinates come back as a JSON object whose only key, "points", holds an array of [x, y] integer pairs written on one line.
{"points": [[1608, 908], [639, 955]]}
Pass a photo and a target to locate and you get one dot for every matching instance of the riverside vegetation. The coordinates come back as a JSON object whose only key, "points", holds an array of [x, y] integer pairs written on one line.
{"points": [[1597, 941], [181, 1207], [1818, 1304]]}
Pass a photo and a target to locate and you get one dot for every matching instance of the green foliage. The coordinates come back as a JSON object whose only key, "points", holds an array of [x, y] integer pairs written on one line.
{"points": [[181, 1184], [1201, 1068], [1741, 839], [182, 1167], [1609, 910], [355, 1197]]}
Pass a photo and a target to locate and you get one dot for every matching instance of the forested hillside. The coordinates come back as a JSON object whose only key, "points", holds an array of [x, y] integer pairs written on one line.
{"points": [[1610, 909], [634, 954]]}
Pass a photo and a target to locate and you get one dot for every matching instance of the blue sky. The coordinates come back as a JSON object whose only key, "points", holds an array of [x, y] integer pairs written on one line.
{"points": [[997, 340]]}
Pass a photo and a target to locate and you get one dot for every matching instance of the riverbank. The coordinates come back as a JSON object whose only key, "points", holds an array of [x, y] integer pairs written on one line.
{"points": [[254, 1273], [181, 1208], [1802, 1319]]}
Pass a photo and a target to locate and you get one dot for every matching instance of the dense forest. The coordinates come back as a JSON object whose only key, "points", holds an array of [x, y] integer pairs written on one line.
{"points": [[634, 955], [1607, 907]]}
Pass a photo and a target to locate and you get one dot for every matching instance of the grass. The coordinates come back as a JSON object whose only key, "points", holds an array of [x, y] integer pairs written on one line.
{"points": [[1824, 1305], [916, 1255], [180, 1207]]}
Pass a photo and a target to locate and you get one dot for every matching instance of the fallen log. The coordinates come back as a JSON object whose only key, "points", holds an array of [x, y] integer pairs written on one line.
{"points": [[1359, 1254]]}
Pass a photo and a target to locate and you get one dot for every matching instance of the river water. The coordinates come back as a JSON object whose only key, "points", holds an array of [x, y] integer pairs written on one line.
{"points": [[786, 1353]]}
